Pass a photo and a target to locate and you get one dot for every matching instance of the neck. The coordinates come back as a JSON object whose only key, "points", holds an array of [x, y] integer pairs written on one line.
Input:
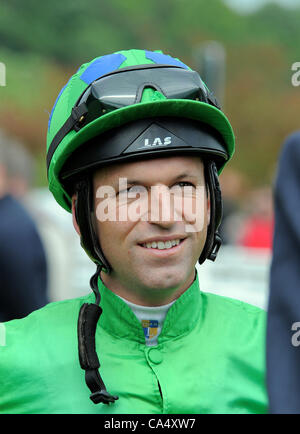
{"points": [[143, 295]]}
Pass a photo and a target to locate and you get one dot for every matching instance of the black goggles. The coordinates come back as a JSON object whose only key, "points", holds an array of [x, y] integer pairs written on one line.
{"points": [[125, 87]]}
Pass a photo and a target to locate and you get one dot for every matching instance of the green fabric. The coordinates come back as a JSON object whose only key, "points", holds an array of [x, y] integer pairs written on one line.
{"points": [[209, 359], [149, 107]]}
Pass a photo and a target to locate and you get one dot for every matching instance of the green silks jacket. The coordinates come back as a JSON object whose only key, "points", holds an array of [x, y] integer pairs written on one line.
{"points": [[210, 358]]}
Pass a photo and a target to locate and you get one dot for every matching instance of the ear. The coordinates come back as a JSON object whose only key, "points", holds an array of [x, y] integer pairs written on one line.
{"points": [[75, 224]]}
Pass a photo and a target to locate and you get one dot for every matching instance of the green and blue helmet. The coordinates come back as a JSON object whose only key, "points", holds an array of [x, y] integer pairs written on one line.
{"points": [[137, 84]]}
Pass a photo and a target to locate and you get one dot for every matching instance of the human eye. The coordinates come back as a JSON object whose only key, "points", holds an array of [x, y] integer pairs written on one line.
{"points": [[182, 184], [132, 191], [181, 187], [185, 184], [136, 189]]}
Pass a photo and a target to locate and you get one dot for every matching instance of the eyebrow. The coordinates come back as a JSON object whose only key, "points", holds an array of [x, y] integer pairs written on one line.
{"points": [[182, 175]]}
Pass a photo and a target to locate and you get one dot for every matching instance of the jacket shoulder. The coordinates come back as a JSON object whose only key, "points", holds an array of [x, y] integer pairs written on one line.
{"points": [[239, 320], [33, 348], [239, 306], [52, 314]]}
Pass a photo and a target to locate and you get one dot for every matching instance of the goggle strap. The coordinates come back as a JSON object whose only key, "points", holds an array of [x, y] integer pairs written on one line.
{"points": [[73, 121], [87, 322], [213, 100]]}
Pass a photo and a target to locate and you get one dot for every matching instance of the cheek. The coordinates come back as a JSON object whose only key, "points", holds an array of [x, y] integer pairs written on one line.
{"points": [[113, 238], [196, 214], [200, 226]]}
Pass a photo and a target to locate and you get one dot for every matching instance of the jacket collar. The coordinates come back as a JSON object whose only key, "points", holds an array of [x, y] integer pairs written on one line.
{"points": [[119, 320]]}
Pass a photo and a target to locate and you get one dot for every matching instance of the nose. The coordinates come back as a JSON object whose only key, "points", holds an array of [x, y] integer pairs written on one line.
{"points": [[161, 207]]}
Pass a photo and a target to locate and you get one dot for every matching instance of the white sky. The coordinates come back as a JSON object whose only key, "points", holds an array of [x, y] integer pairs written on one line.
{"points": [[251, 5]]}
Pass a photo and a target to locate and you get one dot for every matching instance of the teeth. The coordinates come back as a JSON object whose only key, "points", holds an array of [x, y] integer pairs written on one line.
{"points": [[161, 245]]}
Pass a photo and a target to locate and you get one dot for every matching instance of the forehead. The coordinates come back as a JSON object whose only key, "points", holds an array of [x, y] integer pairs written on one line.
{"points": [[156, 169]]}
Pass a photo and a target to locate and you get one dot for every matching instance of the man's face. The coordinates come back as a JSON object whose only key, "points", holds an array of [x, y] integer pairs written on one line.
{"points": [[148, 264]]}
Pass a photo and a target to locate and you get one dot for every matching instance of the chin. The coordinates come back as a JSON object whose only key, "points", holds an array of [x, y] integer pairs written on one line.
{"points": [[165, 279]]}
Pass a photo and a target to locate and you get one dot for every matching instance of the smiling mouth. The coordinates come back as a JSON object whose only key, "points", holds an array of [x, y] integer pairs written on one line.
{"points": [[163, 246]]}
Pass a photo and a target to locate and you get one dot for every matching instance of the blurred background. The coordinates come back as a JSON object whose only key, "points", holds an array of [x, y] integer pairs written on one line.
{"points": [[244, 50]]}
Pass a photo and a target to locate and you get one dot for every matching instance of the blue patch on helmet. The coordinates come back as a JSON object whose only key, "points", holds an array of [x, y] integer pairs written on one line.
{"points": [[99, 67], [58, 96], [164, 58], [102, 66], [61, 91]]}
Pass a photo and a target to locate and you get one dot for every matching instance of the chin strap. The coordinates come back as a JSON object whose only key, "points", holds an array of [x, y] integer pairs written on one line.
{"points": [[213, 239], [87, 322], [84, 212]]}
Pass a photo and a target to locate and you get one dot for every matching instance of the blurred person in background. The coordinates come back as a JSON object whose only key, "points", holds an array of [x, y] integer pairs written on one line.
{"points": [[256, 230], [233, 185], [283, 337], [23, 268]]}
